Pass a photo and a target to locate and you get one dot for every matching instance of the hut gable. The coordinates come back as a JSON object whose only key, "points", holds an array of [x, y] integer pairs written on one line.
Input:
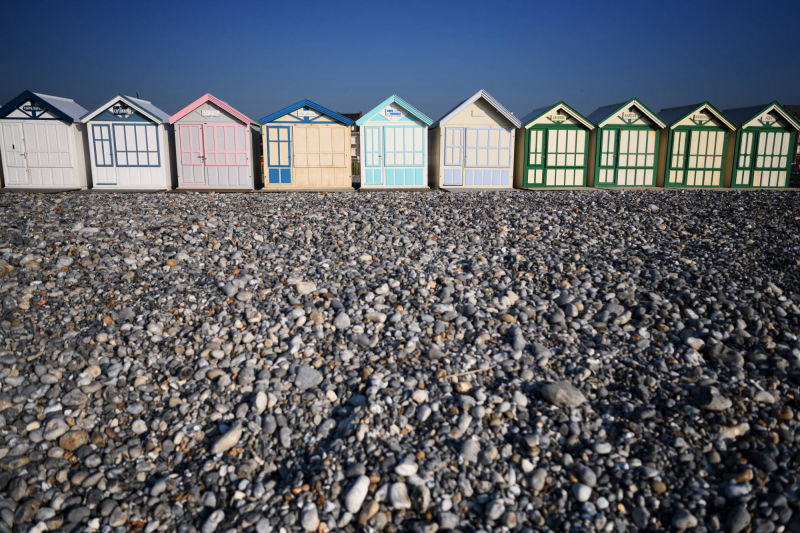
{"points": [[304, 112], [123, 108], [395, 110], [558, 114], [696, 115], [476, 109], [209, 108], [37, 106], [631, 113]]}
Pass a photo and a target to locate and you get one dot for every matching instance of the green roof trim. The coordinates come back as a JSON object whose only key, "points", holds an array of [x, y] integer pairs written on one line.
{"points": [[693, 109], [600, 118], [394, 99], [537, 113]]}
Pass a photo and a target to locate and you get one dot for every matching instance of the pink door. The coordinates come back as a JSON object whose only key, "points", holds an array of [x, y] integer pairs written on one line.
{"points": [[192, 163]]}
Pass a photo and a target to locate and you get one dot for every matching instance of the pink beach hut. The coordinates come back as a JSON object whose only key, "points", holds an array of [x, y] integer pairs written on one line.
{"points": [[215, 146]]}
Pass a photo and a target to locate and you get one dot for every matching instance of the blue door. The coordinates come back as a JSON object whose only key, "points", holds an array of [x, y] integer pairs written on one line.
{"points": [[373, 156], [279, 155]]}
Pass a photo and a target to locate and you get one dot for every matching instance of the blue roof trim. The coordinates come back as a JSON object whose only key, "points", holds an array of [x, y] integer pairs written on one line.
{"points": [[394, 99], [307, 103], [65, 108]]}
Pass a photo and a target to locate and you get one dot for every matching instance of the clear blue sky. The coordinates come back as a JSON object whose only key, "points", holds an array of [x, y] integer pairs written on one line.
{"points": [[261, 56]]}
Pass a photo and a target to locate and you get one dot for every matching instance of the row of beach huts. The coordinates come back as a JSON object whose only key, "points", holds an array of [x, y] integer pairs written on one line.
{"points": [[48, 142]]}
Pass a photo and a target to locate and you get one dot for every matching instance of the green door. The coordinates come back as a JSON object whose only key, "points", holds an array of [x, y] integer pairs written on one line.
{"points": [[697, 157], [556, 157]]}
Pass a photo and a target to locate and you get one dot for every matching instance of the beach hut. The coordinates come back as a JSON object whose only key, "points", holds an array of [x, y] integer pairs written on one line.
{"points": [[626, 144], [764, 144], [697, 147], [214, 146], [129, 145], [306, 146], [394, 137], [554, 151], [473, 145], [41, 143]]}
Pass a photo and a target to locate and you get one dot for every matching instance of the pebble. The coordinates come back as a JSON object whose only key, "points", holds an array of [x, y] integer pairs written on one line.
{"points": [[683, 519], [356, 495], [398, 496], [738, 519], [581, 492], [227, 440], [307, 377], [309, 518], [562, 394]]}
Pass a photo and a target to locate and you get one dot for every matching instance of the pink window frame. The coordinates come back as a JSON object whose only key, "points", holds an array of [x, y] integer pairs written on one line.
{"points": [[213, 156], [192, 161]]}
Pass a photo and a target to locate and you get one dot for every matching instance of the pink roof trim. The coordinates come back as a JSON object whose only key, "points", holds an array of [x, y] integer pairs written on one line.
{"points": [[208, 97]]}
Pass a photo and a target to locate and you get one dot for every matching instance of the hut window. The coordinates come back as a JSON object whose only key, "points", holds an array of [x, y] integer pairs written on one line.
{"points": [[565, 148], [226, 144], [191, 144], [278, 153], [535, 148], [136, 145], [403, 146], [453, 143], [488, 147], [101, 135]]}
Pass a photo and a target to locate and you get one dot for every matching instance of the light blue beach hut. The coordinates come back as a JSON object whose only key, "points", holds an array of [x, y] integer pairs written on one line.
{"points": [[394, 144]]}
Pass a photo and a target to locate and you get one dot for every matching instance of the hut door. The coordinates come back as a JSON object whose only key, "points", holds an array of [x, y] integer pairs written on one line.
{"points": [[192, 154], [453, 155], [772, 161], [373, 156], [47, 152], [14, 153]]}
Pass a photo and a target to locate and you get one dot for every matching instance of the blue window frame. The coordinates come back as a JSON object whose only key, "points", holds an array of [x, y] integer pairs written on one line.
{"points": [[103, 152], [136, 145], [279, 154]]}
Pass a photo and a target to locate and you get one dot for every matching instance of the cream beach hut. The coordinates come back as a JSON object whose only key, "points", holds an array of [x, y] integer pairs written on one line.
{"points": [[306, 146], [472, 146], [765, 140], [554, 148], [129, 145], [697, 146], [42, 144], [626, 144]]}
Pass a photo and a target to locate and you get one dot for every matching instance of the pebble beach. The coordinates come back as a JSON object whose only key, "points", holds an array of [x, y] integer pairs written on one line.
{"points": [[400, 361]]}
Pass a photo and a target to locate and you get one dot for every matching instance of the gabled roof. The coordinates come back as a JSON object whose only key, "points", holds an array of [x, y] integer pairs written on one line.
{"points": [[208, 97], [306, 103], [482, 94], [145, 107], [742, 115], [601, 114], [536, 113], [65, 108], [673, 115], [394, 99]]}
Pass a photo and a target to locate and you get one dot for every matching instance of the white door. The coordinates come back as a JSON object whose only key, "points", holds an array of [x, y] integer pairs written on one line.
{"points": [[453, 155], [190, 139], [47, 152], [14, 153]]}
